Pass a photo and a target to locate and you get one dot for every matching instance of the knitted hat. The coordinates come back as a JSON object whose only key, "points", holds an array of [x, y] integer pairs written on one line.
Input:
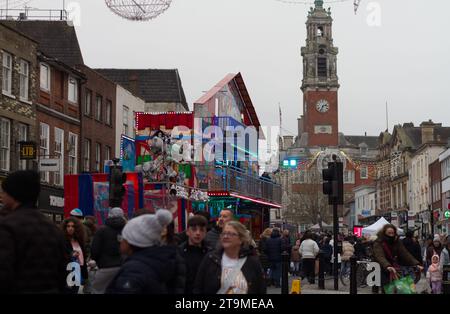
{"points": [[24, 186], [76, 212], [436, 238], [116, 212], [145, 230]]}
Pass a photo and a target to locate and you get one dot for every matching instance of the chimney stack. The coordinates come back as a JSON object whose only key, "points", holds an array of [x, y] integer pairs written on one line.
{"points": [[134, 84], [427, 128]]}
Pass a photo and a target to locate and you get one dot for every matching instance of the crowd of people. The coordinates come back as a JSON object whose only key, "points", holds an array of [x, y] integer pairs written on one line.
{"points": [[144, 255]]}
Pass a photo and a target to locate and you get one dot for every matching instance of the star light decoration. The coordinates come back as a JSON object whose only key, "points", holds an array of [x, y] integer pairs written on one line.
{"points": [[138, 10]]}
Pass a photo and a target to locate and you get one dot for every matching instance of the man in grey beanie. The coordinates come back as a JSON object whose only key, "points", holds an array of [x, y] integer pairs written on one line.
{"points": [[105, 250], [149, 266]]}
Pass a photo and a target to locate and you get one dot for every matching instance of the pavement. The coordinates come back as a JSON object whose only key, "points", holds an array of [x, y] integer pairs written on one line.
{"points": [[307, 288]]}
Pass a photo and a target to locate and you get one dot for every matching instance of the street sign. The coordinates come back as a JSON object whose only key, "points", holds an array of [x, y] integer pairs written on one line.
{"points": [[48, 164], [27, 150]]}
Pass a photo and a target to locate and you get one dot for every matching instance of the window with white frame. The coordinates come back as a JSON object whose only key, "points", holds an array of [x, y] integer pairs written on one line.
{"points": [[45, 76], [349, 176], [98, 108], [125, 120], [73, 148], [108, 112], [98, 156], [73, 90], [22, 137], [24, 78], [87, 155], [364, 172], [7, 73], [88, 102], [445, 168], [59, 154], [44, 147], [5, 134], [107, 152]]}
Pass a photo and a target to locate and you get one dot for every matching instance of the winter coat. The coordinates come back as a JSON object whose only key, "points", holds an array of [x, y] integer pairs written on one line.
{"points": [[208, 280], [274, 248], [295, 255], [212, 237], [286, 244], [105, 249], [32, 253], [177, 284], [399, 255], [434, 273], [193, 257], [146, 271], [347, 251], [413, 248], [327, 251], [262, 253], [444, 258], [309, 249]]}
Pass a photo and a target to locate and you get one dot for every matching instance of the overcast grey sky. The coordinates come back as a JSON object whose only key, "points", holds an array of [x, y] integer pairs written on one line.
{"points": [[405, 61]]}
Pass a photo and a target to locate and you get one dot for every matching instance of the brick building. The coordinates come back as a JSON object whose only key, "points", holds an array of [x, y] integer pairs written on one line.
{"points": [[303, 158], [58, 105], [18, 98], [98, 120]]}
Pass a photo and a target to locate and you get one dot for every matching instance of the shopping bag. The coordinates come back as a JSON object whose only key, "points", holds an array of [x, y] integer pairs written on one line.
{"points": [[404, 285]]}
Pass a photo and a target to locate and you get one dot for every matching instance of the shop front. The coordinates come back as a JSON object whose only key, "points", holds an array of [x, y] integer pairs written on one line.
{"points": [[51, 203]]}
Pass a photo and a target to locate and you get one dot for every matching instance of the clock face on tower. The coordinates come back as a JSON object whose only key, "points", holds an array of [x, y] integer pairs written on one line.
{"points": [[322, 106]]}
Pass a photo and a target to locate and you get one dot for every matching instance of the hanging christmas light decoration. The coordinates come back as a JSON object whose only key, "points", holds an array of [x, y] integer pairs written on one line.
{"points": [[138, 10]]}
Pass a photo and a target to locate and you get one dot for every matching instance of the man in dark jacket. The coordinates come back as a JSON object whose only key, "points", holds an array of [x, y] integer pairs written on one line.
{"points": [[105, 250], [212, 237], [194, 249], [32, 248], [412, 246], [274, 248]]}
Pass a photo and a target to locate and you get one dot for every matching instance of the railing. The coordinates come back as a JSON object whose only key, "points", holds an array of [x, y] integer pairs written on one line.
{"points": [[33, 14], [225, 178]]}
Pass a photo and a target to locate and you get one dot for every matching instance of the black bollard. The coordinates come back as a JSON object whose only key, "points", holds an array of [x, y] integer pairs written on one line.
{"points": [[446, 279], [353, 267], [284, 273], [321, 271]]}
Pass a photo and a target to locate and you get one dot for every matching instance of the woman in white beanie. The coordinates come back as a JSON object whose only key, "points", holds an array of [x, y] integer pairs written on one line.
{"points": [[149, 265]]}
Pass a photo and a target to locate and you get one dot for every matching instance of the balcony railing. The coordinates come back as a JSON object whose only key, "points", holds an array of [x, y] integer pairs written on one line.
{"points": [[33, 14], [225, 178]]}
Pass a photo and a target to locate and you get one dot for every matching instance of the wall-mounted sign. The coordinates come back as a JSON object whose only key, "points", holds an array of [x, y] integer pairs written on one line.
{"points": [[323, 129], [27, 150], [49, 165]]}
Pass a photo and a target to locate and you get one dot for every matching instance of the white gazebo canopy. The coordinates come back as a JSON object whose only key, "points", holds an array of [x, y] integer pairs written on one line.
{"points": [[375, 227]]}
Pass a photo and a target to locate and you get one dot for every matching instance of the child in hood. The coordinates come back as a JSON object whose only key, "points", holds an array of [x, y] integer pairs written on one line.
{"points": [[434, 275]]}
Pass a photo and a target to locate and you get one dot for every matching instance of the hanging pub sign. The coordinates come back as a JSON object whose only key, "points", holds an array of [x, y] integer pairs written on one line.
{"points": [[27, 150]]}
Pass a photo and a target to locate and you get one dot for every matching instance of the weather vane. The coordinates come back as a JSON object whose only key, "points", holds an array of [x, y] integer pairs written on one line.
{"points": [[138, 10]]}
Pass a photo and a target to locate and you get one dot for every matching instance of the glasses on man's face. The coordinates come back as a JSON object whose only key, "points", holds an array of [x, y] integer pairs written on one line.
{"points": [[228, 235]]}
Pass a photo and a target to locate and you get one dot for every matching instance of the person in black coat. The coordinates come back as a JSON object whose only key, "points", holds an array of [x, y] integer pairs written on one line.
{"points": [[150, 266], [214, 275], [194, 249], [32, 251], [105, 250], [412, 246], [274, 248]]}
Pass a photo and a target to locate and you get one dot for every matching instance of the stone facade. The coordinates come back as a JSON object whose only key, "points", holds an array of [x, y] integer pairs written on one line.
{"points": [[18, 113]]}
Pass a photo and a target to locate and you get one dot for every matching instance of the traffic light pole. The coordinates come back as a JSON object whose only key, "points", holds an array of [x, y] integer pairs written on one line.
{"points": [[335, 246]]}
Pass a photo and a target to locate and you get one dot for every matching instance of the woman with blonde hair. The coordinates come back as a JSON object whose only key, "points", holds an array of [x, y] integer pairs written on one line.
{"points": [[233, 268]]}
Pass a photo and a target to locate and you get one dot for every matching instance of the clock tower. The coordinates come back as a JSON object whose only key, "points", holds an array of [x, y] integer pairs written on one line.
{"points": [[320, 82]]}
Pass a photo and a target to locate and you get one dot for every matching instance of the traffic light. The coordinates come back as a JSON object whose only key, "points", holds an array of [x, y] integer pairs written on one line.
{"points": [[116, 189], [333, 183]]}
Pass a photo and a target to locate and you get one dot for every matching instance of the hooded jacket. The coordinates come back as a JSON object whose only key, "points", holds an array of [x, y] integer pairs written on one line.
{"points": [[434, 273], [208, 279], [105, 249], [399, 254], [146, 271], [32, 253]]}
